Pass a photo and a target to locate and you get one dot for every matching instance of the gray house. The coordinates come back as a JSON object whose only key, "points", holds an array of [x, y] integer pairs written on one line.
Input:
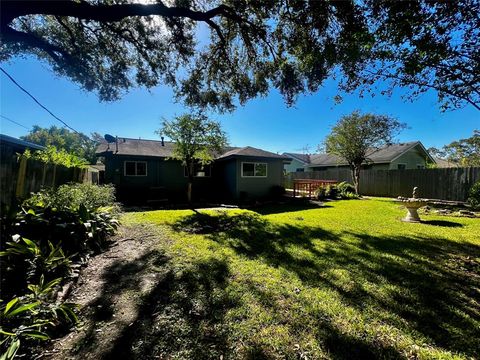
{"points": [[142, 171], [410, 155], [298, 163]]}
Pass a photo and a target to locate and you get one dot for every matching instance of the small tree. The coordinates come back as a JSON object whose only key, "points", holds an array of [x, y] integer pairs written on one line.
{"points": [[197, 139], [356, 135]]}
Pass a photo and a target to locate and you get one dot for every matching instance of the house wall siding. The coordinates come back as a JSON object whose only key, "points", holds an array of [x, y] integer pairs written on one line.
{"points": [[261, 186], [165, 179], [293, 166], [411, 158]]}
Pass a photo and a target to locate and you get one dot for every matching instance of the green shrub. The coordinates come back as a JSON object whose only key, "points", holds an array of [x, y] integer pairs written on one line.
{"points": [[71, 196], [40, 246], [321, 193], [331, 191], [345, 190], [474, 196]]}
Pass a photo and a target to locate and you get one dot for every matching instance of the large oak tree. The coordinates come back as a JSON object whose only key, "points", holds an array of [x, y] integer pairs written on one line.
{"points": [[222, 52]]}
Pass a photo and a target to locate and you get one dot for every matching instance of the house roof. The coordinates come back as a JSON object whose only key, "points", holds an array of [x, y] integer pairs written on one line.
{"points": [[305, 158], [142, 147], [442, 163], [252, 152], [20, 143], [386, 154]]}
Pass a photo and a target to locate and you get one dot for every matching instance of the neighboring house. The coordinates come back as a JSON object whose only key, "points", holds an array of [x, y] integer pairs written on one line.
{"points": [[142, 170], [298, 163], [11, 146], [411, 155], [442, 163]]}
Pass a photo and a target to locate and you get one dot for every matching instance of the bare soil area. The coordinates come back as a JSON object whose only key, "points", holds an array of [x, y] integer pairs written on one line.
{"points": [[111, 292]]}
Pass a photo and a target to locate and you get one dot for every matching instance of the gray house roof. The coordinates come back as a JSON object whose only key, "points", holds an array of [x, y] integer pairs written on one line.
{"points": [[141, 147], [305, 158], [252, 152], [442, 163], [383, 155]]}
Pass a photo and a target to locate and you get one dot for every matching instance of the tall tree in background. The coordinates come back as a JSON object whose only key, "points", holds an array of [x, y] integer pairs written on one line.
{"points": [[197, 139], [109, 46], [357, 135], [74, 143], [464, 152]]}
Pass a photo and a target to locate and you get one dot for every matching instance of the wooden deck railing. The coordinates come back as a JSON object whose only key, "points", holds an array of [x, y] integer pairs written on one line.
{"points": [[309, 186]]}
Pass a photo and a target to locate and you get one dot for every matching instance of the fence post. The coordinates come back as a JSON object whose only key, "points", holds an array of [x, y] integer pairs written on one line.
{"points": [[21, 177]]}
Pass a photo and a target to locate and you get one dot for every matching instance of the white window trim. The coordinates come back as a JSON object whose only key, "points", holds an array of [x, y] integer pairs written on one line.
{"points": [[206, 176], [134, 161], [402, 164], [251, 162]]}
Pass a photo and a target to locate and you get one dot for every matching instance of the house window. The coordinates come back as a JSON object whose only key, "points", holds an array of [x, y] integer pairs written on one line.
{"points": [[250, 169], [401, 166], [420, 166], [199, 170], [135, 168], [300, 170]]}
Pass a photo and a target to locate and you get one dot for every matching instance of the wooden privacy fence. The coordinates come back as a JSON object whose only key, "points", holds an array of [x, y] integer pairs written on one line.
{"points": [[20, 176], [446, 183]]}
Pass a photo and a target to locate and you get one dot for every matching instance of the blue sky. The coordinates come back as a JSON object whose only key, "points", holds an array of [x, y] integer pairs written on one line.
{"points": [[265, 122]]}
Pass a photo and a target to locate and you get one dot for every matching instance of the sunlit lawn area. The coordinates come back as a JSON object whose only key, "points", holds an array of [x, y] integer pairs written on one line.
{"points": [[348, 280]]}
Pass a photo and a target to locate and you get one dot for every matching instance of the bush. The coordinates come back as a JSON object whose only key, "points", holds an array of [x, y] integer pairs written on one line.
{"points": [[72, 196], [331, 192], [40, 246], [321, 193], [346, 190], [474, 196]]}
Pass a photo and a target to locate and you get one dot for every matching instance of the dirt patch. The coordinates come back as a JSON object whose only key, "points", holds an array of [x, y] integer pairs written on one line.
{"points": [[109, 293]]}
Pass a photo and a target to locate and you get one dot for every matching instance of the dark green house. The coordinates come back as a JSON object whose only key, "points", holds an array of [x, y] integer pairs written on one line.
{"points": [[142, 171]]}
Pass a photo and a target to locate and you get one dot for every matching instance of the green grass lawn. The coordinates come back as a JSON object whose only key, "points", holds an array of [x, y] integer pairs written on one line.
{"points": [[345, 281]]}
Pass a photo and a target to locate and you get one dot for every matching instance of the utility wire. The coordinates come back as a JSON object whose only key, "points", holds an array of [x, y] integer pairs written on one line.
{"points": [[38, 102], [13, 121]]}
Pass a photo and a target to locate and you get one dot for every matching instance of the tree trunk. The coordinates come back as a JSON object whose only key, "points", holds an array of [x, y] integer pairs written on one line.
{"points": [[189, 191], [356, 178]]}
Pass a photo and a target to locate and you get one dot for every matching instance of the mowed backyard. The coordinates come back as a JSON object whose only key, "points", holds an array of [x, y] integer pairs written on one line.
{"points": [[346, 280]]}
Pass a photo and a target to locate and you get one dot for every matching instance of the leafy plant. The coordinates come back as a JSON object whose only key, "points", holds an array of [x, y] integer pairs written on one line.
{"points": [[474, 196], [40, 245], [331, 191], [320, 193], [344, 189], [71, 196], [32, 317], [53, 155]]}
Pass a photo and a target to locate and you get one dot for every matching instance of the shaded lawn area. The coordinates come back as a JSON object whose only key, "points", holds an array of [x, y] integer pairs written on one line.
{"points": [[344, 281]]}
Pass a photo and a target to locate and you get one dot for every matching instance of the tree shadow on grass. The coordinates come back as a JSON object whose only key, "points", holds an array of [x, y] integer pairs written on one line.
{"points": [[424, 284], [292, 206]]}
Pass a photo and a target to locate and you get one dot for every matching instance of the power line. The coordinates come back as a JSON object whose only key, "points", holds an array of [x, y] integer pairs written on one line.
{"points": [[38, 102], [13, 121]]}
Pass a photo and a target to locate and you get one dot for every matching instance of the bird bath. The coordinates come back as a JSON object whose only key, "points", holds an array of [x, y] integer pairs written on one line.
{"points": [[412, 205]]}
